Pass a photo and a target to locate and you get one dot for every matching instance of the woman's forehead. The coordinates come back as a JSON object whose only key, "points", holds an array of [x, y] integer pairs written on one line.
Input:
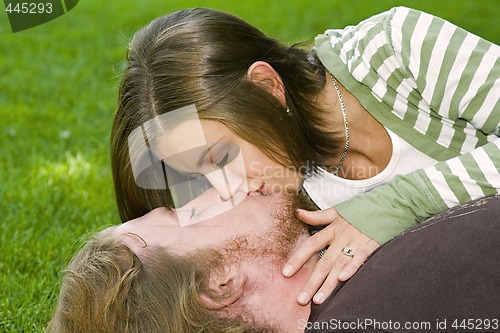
{"points": [[186, 136]]}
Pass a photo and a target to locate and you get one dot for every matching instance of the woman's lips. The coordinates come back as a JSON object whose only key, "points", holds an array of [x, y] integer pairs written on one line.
{"points": [[263, 190], [259, 191]]}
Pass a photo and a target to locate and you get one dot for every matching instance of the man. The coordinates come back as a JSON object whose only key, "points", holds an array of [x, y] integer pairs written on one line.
{"points": [[173, 277], [442, 275]]}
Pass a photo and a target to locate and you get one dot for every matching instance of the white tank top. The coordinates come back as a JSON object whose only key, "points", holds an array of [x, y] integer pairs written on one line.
{"points": [[327, 190]]}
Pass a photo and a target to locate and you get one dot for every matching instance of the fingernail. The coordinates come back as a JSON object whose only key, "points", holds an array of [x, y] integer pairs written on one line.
{"points": [[319, 298], [343, 276], [300, 211], [287, 270], [303, 298]]}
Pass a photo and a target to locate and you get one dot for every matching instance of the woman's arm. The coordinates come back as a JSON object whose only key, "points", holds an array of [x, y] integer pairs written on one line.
{"points": [[456, 78], [438, 87], [409, 199]]}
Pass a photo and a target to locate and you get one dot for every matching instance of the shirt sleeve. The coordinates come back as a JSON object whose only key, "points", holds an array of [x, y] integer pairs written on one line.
{"points": [[407, 200], [457, 78]]}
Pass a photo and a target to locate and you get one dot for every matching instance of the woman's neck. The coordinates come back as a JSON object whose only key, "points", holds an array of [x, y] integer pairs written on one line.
{"points": [[370, 146]]}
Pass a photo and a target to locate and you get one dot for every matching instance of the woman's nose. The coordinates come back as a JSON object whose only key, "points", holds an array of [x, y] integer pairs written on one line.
{"points": [[227, 183]]}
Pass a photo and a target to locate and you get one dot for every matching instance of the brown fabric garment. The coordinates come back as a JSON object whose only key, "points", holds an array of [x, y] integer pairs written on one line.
{"points": [[444, 269]]}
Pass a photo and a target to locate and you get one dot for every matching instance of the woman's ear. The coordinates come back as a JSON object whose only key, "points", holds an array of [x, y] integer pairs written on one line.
{"points": [[264, 75], [224, 289]]}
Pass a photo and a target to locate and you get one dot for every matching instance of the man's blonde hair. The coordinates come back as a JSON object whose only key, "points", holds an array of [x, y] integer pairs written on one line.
{"points": [[108, 289]]}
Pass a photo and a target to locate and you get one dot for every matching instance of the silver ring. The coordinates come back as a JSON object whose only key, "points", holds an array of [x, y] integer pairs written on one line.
{"points": [[347, 251], [322, 252]]}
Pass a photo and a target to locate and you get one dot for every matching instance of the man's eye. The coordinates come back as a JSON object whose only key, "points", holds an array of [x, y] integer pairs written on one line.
{"points": [[185, 215], [194, 176]]}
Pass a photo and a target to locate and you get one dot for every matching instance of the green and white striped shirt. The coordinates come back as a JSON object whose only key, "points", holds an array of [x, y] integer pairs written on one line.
{"points": [[436, 86]]}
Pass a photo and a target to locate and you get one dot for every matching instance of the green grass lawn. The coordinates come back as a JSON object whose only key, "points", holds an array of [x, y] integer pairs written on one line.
{"points": [[58, 91]]}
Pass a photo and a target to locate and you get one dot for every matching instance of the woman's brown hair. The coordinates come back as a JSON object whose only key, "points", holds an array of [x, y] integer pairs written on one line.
{"points": [[201, 57], [108, 289]]}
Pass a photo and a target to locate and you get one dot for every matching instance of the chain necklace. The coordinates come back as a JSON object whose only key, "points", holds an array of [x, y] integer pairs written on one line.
{"points": [[346, 127]]}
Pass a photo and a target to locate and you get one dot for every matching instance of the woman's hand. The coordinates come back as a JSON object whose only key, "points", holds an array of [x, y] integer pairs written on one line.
{"points": [[338, 263]]}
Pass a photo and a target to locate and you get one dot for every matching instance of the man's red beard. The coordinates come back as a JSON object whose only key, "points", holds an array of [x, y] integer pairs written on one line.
{"points": [[270, 249], [276, 243]]}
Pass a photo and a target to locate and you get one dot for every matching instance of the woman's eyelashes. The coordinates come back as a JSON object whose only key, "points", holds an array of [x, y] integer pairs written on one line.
{"points": [[225, 153], [219, 155], [223, 162]]}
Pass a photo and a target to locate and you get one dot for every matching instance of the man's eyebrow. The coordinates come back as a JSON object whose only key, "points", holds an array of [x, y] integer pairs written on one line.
{"points": [[207, 151]]}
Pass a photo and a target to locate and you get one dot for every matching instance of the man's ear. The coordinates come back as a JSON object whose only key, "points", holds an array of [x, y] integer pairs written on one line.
{"points": [[264, 75], [224, 289]]}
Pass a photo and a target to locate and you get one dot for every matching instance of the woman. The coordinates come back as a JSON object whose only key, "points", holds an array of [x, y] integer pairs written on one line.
{"points": [[388, 122]]}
